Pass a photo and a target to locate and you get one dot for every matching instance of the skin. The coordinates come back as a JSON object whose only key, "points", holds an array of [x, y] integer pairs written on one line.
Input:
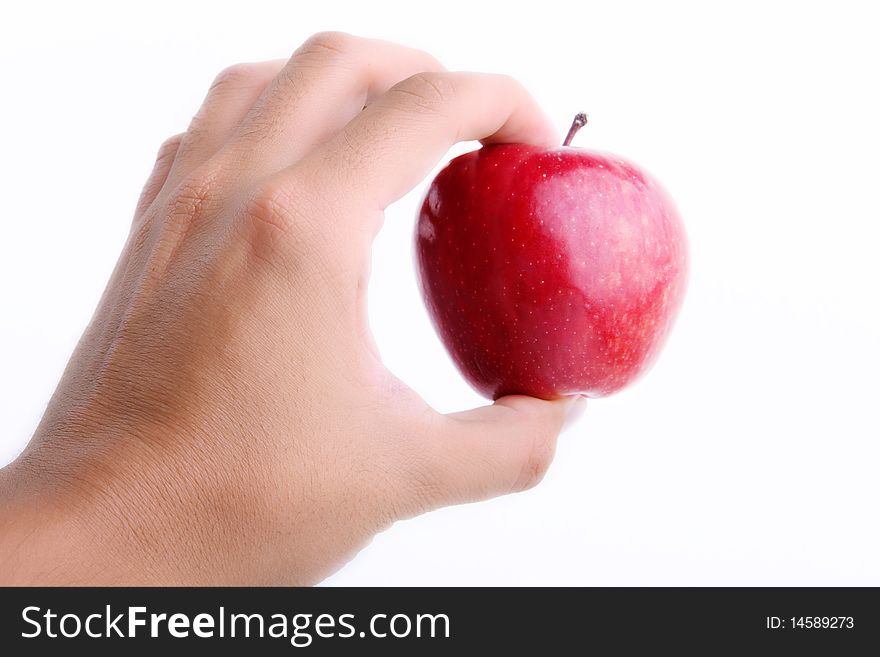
{"points": [[225, 418]]}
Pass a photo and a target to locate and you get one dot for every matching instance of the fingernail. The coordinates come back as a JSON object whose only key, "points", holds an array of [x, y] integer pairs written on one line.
{"points": [[575, 410]]}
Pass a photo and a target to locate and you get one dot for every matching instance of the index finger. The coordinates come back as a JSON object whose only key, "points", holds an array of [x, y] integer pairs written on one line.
{"points": [[392, 145]]}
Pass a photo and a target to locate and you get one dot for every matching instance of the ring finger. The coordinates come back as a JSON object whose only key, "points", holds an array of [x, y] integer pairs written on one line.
{"points": [[231, 96]]}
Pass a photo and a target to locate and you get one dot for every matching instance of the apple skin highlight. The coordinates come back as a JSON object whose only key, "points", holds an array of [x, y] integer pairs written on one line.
{"points": [[550, 272]]}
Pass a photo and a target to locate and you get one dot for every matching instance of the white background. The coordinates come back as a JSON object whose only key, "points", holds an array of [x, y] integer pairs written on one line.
{"points": [[749, 455]]}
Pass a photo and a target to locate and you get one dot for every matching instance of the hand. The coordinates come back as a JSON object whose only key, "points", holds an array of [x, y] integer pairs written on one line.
{"points": [[226, 417]]}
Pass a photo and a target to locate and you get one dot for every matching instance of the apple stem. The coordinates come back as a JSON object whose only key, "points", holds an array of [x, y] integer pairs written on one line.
{"points": [[580, 120]]}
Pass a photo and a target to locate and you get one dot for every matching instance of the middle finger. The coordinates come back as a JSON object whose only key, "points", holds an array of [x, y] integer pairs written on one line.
{"points": [[326, 83]]}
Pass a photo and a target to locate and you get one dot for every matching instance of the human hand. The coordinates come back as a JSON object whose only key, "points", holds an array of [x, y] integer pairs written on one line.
{"points": [[226, 417]]}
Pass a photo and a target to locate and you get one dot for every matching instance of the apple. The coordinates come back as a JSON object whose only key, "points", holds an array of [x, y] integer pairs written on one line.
{"points": [[550, 271]]}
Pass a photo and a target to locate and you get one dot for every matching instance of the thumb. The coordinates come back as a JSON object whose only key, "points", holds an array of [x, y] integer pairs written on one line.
{"points": [[498, 449]]}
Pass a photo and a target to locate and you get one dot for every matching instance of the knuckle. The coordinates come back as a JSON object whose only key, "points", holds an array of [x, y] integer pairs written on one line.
{"points": [[273, 221], [193, 196], [428, 61], [426, 92], [270, 206], [233, 77], [538, 461], [169, 147], [165, 157], [509, 81], [515, 88], [198, 132], [325, 46]]}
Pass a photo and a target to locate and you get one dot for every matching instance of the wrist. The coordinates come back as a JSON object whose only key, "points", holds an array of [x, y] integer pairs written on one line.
{"points": [[41, 540], [71, 521]]}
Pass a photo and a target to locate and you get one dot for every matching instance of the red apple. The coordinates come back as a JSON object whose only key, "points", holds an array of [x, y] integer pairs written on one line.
{"points": [[550, 271]]}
